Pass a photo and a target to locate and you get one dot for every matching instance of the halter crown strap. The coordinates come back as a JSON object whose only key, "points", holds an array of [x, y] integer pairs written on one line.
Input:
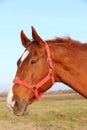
{"points": [[50, 63], [43, 81]]}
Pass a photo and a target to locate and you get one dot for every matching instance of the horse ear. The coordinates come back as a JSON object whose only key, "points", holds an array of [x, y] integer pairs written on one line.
{"points": [[36, 37], [25, 41]]}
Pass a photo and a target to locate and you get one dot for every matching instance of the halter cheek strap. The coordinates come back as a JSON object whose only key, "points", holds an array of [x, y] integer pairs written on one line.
{"points": [[50, 76]]}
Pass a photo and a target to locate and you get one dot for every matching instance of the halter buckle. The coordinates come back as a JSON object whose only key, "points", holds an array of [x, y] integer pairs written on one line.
{"points": [[34, 88]]}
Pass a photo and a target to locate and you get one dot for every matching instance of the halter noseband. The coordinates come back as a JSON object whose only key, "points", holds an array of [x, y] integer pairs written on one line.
{"points": [[43, 81]]}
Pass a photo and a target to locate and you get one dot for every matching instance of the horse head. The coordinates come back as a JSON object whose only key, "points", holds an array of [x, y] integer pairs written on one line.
{"points": [[32, 67]]}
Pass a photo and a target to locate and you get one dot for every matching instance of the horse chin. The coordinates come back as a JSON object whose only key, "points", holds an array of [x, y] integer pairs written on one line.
{"points": [[19, 109]]}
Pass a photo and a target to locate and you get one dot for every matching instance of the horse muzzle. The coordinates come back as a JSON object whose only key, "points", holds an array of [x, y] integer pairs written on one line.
{"points": [[18, 108]]}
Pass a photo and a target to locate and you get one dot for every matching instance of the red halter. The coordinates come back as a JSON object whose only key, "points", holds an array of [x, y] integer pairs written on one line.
{"points": [[43, 81]]}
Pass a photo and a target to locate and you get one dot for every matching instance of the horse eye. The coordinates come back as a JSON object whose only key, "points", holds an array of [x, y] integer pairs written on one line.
{"points": [[33, 61]]}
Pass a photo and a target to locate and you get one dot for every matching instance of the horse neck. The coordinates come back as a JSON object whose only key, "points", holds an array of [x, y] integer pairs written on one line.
{"points": [[69, 69]]}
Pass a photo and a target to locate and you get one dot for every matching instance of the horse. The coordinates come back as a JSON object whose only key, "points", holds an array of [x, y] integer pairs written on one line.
{"points": [[42, 64]]}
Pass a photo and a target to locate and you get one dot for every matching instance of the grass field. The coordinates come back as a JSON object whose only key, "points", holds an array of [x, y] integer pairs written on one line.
{"points": [[52, 112]]}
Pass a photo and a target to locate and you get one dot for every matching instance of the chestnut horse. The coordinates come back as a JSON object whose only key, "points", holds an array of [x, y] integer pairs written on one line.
{"points": [[43, 63]]}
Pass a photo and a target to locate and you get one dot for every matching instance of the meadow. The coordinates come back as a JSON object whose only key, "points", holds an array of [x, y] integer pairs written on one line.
{"points": [[52, 112]]}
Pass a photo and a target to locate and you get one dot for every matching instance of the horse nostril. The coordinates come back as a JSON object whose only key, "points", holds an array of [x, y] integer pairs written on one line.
{"points": [[16, 103]]}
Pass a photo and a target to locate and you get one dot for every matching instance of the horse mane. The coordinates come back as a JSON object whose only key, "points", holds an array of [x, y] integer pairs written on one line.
{"points": [[67, 40]]}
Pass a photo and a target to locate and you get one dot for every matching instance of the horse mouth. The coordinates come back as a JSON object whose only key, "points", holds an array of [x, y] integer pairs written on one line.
{"points": [[19, 109]]}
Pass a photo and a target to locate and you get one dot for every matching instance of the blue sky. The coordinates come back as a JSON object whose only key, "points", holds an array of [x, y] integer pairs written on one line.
{"points": [[50, 18]]}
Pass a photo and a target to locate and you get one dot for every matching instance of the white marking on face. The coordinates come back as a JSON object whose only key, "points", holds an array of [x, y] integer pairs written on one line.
{"points": [[10, 102], [26, 53]]}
